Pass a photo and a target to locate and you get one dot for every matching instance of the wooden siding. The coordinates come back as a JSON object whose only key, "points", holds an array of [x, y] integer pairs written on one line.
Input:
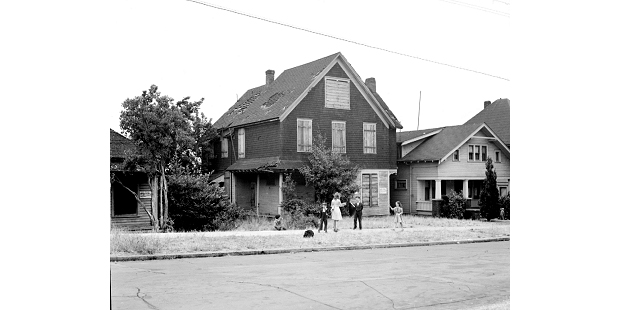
{"points": [[465, 169], [402, 195], [140, 220], [313, 107]]}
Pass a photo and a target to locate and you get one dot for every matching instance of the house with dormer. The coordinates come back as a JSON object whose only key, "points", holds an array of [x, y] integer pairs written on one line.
{"points": [[268, 133]]}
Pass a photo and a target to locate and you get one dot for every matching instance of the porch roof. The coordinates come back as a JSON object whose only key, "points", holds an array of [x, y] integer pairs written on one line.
{"points": [[264, 164]]}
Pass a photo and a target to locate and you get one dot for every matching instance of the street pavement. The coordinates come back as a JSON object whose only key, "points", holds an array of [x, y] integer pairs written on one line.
{"points": [[457, 276]]}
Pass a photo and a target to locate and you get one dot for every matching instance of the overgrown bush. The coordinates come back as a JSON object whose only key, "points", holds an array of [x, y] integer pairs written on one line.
{"points": [[453, 205], [197, 205], [504, 202]]}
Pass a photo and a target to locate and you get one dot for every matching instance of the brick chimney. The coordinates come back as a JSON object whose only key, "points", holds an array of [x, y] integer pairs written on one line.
{"points": [[269, 76], [372, 84], [486, 104]]}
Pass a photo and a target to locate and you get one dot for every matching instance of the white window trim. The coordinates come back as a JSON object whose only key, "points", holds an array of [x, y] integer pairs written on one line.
{"points": [[241, 142], [297, 137], [344, 133], [498, 156], [480, 160], [337, 106], [374, 137], [455, 155]]}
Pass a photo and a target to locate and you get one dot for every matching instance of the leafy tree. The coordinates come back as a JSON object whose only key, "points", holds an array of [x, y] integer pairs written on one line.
{"points": [[489, 196], [329, 172], [170, 136]]}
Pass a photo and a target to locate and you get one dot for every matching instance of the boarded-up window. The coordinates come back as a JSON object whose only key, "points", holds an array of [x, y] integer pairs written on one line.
{"points": [[370, 189], [241, 140], [337, 93], [224, 148], [304, 135], [370, 138], [339, 137]]}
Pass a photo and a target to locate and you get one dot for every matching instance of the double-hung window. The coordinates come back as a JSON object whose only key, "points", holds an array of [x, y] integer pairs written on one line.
{"points": [[370, 189], [337, 93], [339, 137], [241, 136], [477, 152], [304, 135], [498, 157], [370, 138], [224, 149]]}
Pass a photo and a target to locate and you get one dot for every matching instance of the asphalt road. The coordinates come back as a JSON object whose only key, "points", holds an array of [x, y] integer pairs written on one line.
{"points": [[456, 276]]}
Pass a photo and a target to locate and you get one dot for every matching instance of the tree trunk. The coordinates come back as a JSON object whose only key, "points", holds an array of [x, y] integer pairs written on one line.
{"points": [[165, 195], [154, 201]]}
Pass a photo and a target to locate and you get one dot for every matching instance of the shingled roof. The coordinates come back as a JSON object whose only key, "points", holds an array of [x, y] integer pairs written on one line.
{"points": [[497, 117], [441, 144], [412, 134], [119, 145], [271, 101]]}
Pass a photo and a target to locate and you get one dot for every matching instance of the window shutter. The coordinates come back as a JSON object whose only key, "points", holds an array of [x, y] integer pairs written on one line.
{"points": [[241, 136], [337, 93], [224, 149]]}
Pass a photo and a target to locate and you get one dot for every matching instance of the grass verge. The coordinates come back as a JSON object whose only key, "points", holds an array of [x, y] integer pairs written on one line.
{"points": [[418, 230]]}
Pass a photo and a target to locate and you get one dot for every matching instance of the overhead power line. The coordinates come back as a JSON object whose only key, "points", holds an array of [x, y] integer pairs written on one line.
{"points": [[477, 7], [342, 39]]}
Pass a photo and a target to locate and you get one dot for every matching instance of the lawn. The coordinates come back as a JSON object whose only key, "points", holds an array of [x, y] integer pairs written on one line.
{"points": [[418, 229]]}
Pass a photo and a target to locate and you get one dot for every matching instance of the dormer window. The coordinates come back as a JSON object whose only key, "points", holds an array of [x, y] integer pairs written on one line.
{"points": [[337, 93]]}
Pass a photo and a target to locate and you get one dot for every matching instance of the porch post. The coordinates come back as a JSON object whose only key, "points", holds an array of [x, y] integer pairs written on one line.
{"points": [[438, 189], [257, 193], [465, 189], [280, 182]]}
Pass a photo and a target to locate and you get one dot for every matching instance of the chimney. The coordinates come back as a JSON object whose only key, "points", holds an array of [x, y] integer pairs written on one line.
{"points": [[372, 84], [486, 104], [269, 76]]}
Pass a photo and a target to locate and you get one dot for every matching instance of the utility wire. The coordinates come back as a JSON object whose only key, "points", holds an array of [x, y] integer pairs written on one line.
{"points": [[345, 40], [477, 7]]}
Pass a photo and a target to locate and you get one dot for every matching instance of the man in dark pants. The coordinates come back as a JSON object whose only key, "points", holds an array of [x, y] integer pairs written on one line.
{"points": [[358, 212]]}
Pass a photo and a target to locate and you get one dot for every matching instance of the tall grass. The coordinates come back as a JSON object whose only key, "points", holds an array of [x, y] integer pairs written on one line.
{"points": [[123, 241]]}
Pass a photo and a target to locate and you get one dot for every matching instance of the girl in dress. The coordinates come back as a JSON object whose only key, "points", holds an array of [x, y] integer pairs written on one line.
{"points": [[335, 206], [398, 215]]}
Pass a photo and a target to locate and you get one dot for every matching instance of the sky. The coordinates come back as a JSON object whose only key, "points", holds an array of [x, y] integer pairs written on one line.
{"points": [[189, 49]]}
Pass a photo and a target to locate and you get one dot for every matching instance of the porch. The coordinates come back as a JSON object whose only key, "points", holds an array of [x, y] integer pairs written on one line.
{"points": [[430, 193]]}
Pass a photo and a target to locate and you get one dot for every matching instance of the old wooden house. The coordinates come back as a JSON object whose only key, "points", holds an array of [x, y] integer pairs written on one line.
{"points": [[268, 132]]}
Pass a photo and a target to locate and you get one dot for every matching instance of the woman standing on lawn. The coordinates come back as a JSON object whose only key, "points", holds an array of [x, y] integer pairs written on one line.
{"points": [[336, 215]]}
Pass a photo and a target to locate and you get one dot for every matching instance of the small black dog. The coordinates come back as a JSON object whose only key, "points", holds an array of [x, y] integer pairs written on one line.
{"points": [[308, 234]]}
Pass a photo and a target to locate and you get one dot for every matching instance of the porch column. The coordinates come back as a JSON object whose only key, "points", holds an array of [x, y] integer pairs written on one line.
{"points": [[280, 182], [465, 189], [437, 189], [257, 193], [233, 184]]}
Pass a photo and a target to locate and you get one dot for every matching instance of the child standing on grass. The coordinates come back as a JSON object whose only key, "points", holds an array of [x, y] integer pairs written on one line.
{"points": [[336, 215], [278, 223], [323, 217], [398, 216]]}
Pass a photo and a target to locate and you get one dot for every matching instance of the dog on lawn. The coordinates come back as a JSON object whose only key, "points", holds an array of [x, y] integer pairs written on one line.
{"points": [[308, 234]]}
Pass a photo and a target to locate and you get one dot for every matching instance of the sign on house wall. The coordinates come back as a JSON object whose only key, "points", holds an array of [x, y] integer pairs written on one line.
{"points": [[145, 194]]}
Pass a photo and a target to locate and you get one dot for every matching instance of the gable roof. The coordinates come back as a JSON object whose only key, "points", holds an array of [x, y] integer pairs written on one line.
{"points": [[276, 100], [408, 136], [444, 143], [497, 117], [119, 145]]}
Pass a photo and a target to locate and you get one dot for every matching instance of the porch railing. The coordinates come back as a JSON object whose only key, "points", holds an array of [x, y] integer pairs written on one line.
{"points": [[424, 206]]}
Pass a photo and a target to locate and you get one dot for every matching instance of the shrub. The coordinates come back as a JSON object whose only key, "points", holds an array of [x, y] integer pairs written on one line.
{"points": [[453, 205], [229, 218], [197, 205], [504, 202]]}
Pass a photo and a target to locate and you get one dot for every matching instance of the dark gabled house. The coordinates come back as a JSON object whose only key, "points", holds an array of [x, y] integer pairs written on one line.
{"points": [[268, 132], [125, 211]]}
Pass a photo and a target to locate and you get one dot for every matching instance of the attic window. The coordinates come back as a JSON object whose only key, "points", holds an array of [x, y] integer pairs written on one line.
{"points": [[273, 99], [337, 93]]}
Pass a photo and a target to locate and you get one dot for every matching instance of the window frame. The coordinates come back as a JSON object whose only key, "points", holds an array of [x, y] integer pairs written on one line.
{"points": [[396, 183], [369, 190], [302, 148], [498, 156], [456, 156], [336, 105], [369, 149], [477, 152], [241, 142], [344, 133]]}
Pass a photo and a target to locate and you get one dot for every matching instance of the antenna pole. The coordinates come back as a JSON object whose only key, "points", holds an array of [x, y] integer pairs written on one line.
{"points": [[419, 102]]}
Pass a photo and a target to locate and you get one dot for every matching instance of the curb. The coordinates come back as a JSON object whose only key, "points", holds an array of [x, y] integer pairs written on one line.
{"points": [[299, 250]]}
